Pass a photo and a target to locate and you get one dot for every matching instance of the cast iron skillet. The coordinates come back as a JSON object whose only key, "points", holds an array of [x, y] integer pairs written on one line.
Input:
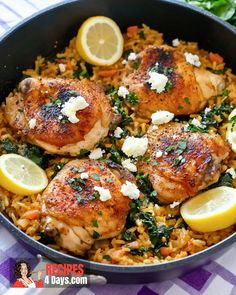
{"points": [[49, 31]]}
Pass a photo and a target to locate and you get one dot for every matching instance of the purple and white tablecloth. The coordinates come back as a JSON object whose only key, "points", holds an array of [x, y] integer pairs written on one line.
{"points": [[216, 278]]}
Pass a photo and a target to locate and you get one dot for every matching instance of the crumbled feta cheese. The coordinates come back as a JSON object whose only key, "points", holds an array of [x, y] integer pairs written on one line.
{"points": [[207, 110], [193, 59], [103, 192], [129, 165], [134, 147], [124, 62], [159, 154], [162, 117], [118, 132], [62, 68], [132, 56], [96, 154], [60, 117], [174, 204], [73, 105], [196, 123], [130, 190], [84, 175], [175, 42], [123, 91], [32, 123], [157, 81], [186, 127], [232, 172]]}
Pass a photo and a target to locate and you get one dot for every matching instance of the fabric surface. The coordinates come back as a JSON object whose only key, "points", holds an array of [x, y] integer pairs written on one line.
{"points": [[216, 278]]}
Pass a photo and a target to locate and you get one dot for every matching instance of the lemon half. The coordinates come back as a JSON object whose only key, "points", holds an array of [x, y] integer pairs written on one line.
{"points": [[212, 210], [21, 176], [99, 41], [231, 131]]}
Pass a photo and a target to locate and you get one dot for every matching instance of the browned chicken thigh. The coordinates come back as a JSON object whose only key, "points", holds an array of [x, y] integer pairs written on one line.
{"points": [[61, 116], [182, 163], [84, 203], [188, 87]]}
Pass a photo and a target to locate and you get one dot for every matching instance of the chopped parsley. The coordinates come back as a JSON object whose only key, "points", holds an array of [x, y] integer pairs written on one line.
{"points": [[96, 176], [217, 72], [95, 235], [115, 154], [233, 121], [57, 167], [181, 146], [224, 180], [179, 161], [77, 184], [169, 149], [142, 35], [36, 154], [79, 198], [132, 98], [146, 188], [83, 72], [138, 252], [128, 236], [94, 223], [84, 152], [190, 127], [186, 100], [8, 146], [107, 257], [94, 196]]}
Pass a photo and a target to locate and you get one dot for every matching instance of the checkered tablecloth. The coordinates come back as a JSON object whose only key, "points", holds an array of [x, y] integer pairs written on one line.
{"points": [[216, 278]]}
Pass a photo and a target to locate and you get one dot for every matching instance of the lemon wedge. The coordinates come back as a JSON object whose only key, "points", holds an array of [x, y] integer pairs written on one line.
{"points": [[212, 210], [231, 130], [99, 41], [21, 176]]}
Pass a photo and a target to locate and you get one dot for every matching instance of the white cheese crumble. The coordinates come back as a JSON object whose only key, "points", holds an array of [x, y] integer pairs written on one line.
{"points": [[157, 81], [196, 122], [175, 42], [232, 172], [32, 123], [84, 175], [118, 131], [174, 204], [103, 192], [73, 105], [96, 154], [207, 110], [123, 91], [132, 56], [130, 190], [162, 117], [124, 62], [159, 154], [134, 147], [129, 165], [62, 68], [193, 59]]}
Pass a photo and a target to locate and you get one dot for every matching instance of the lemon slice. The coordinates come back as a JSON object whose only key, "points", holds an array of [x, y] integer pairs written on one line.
{"points": [[99, 41], [231, 130], [212, 210], [21, 176]]}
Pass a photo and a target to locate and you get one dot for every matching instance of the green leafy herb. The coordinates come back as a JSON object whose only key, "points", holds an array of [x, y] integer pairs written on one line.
{"points": [[83, 72], [79, 198], [84, 152], [225, 9], [186, 100], [146, 188], [57, 168], [115, 154], [9, 146], [96, 176], [136, 63], [181, 146], [142, 35], [36, 155], [95, 235], [94, 223], [169, 149], [217, 72], [128, 236], [159, 234], [77, 184], [100, 213], [132, 98], [107, 257], [138, 252], [190, 127], [225, 180], [179, 161], [94, 196]]}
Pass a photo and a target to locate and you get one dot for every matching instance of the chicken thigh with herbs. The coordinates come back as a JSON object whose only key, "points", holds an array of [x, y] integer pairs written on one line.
{"points": [[61, 116], [165, 80], [182, 163], [84, 203]]}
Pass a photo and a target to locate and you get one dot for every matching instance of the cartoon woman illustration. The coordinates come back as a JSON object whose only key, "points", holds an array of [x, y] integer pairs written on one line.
{"points": [[23, 276]]}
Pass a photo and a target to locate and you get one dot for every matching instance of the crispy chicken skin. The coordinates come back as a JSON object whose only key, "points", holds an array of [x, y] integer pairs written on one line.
{"points": [[189, 86], [42, 99], [198, 167], [72, 217]]}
